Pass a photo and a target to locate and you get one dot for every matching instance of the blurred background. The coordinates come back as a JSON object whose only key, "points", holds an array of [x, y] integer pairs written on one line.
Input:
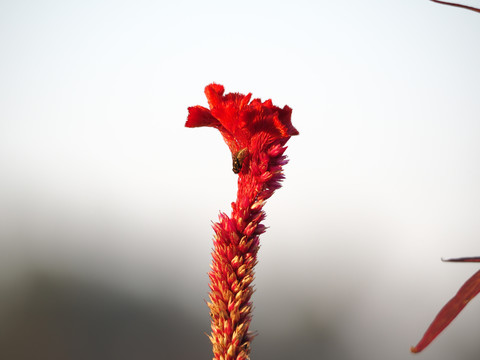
{"points": [[106, 200]]}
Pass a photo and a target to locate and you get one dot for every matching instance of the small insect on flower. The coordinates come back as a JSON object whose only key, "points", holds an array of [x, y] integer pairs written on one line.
{"points": [[238, 159]]}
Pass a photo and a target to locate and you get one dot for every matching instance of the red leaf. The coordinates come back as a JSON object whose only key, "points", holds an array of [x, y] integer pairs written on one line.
{"points": [[466, 293], [457, 5], [463, 259]]}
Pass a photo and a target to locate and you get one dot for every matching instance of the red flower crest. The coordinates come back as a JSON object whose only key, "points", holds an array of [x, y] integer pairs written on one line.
{"points": [[239, 119]]}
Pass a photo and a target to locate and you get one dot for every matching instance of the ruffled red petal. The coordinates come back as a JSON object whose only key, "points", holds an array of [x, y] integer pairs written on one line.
{"points": [[214, 93], [285, 116], [200, 116]]}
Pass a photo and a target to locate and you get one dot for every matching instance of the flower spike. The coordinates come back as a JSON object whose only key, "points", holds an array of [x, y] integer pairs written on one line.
{"points": [[256, 133]]}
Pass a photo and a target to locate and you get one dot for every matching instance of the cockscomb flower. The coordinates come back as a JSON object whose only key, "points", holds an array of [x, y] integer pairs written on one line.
{"points": [[256, 133], [452, 308]]}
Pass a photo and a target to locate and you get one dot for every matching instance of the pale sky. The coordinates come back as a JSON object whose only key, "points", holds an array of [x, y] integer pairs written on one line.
{"points": [[99, 175]]}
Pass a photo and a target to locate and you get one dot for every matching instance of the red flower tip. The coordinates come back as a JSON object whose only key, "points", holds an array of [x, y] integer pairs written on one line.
{"points": [[239, 120]]}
